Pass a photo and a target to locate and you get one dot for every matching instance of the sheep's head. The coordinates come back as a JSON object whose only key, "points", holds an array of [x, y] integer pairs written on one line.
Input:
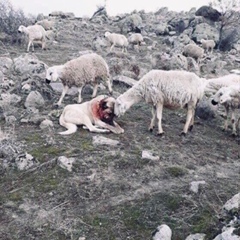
{"points": [[21, 29], [120, 107], [52, 74], [107, 34], [218, 95]]}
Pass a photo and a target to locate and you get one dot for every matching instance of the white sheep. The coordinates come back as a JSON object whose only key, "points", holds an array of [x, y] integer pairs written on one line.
{"points": [[86, 69], [117, 40], [34, 33], [214, 84], [170, 89], [194, 51], [229, 97], [208, 45], [135, 39]]}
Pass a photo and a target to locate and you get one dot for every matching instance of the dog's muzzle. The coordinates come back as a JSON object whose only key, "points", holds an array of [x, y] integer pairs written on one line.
{"points": [[48, 81], [19, 31], [214, 102]]}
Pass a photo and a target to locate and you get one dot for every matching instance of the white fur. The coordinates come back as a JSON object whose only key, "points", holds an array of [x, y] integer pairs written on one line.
{"points": [[208, 45], [229, 97], [87, 69], [83, 114], [194, 51], [34, 33], [117, 40], [214, 84], [170, 89], [135, 38]]}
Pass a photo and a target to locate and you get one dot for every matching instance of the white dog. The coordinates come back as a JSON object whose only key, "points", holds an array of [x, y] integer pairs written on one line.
{"points": [[96, 114]]}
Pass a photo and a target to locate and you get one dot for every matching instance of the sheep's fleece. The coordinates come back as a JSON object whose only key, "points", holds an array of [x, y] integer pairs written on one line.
{"points": [[87, 69]]}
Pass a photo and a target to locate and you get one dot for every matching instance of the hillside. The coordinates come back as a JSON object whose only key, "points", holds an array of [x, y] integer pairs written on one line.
{"points": [[113, 191]]}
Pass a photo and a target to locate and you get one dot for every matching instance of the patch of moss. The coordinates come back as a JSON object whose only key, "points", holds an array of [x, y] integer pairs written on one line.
{"points": [[176, 171], [42, 151], [205, 222], [15, 197]]}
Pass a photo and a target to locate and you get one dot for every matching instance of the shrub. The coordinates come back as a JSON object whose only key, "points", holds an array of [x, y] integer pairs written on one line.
{"points": [[11, 19]]}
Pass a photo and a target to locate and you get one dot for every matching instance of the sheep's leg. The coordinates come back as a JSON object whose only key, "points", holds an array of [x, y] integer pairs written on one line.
{"points": [[225, 128], [43, 44], [111, 48], [190, 112], [192, 120], [64, 91], [159, 109], [29, 44], [233, 120], [95, 88], [153, 120], [80, 94], [109, 85]]}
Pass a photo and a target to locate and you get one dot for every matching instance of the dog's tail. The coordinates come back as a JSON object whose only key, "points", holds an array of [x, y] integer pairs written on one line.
{"points": [[71, 128]]}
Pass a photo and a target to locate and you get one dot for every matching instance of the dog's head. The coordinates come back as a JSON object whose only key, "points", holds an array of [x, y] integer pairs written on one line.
{"points": [[106, 110]]}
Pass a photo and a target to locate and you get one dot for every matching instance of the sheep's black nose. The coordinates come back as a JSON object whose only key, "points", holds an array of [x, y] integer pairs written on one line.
{"points": [[47, 81], [214, 102]]}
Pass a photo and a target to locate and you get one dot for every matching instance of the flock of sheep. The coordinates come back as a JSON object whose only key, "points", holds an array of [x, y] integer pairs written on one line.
{"points": [[163, 89]]}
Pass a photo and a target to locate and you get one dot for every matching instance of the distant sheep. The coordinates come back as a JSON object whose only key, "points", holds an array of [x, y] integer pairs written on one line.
{"points": [[117, 40], [194, 51], [208, 45], [170, 89], [229, 97], [214, 84], [46, 24], [34, 33], [87, 69], [135, 39]]}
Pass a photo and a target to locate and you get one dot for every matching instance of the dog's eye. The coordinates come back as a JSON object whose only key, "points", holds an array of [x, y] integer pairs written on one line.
{"points": [[50, 73]]}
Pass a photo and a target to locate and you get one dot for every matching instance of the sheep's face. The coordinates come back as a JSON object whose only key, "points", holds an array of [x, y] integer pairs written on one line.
{"points": [[227, 96], [107, 34], [119, 108], [52, 75], [21, 29], [218, 95]]}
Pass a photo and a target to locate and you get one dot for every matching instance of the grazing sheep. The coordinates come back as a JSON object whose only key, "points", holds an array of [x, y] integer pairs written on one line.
{"points": [[229, 97], [135, 39], [194, 51], [86, 69], [170, 89], [208, 45], [47, 24], [214, 84], [117, 40], [34, 33], [96, 115]]}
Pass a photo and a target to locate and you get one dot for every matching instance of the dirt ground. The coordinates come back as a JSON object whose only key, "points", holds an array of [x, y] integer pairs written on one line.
{"points": [[113, 193]]}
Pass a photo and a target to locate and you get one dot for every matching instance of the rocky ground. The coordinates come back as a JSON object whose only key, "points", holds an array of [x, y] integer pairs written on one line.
{"points": [[114, 191]]}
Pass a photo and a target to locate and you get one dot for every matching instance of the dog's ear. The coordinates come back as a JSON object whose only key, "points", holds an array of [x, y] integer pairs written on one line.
{"points": [[103, 104]]}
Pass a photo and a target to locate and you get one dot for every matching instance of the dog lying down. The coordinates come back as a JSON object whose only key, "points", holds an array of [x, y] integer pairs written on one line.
{"points": [[96, 115]]}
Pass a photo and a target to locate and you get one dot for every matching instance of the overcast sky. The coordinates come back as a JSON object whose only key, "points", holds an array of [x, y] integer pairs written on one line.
{"points": [[83, 8]]}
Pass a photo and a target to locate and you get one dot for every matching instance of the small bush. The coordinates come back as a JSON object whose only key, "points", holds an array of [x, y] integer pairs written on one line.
{"points": [[10, 19]]}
